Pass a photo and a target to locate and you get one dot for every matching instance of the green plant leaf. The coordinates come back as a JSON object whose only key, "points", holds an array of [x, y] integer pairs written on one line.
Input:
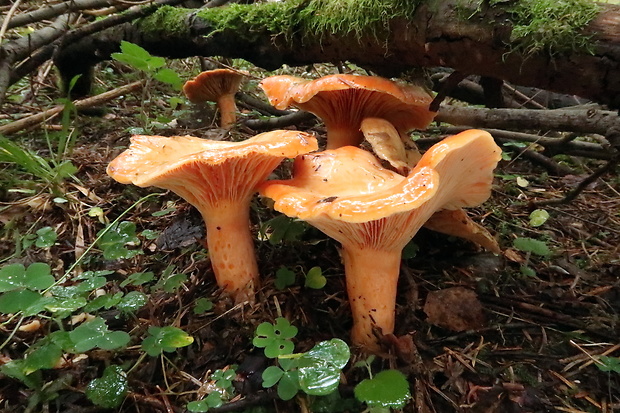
{"points": [[334, 351], [388, 389], [202, 305], [271, 375], [319, 368], [169, 281], [284, 229], [138, 278], [284, 278], [110, 390], [115, 241], [532, 245], [410, 250], [132, 301], [198, 406], [150, 234], [44, 355], [170, 77], [92, 280], [609, 364], [15, 276], [288, 386], [275, 338], [315, 278], [95, 333], [19, 300], [224, 378], [64, 170], [15, 369], [538, 217], [46, 237], [106, 301], [166, 339], [65, 305], [138, 58], [527, 271]]}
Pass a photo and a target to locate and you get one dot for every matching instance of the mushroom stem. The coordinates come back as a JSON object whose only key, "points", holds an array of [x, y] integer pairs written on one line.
{"points": [[372, 277], [231, 249], [342, 135], [228, 110]]}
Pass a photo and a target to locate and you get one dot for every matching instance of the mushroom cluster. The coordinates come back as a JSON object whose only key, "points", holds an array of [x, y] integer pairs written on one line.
{"points": [[372, 210]]}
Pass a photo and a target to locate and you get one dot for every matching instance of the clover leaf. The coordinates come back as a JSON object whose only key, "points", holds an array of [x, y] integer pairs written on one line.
{"points": [[275, 338], [110, 390], [38, 276], [388, 389], [166, 339], [95, 333]]}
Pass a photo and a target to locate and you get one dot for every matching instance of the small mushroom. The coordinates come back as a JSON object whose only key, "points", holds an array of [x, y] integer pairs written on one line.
{"points": [[374, 212], [219, 179], [343, 101], [220, 86]]}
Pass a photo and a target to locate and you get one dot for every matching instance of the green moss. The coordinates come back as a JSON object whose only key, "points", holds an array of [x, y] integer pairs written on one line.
{"points": [[554, 26], [312, 18], [168, 19], [272, 17], [360, 17]]}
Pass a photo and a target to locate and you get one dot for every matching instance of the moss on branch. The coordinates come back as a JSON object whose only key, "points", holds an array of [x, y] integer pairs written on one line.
{"points": [[308, 18], [551, 26]]}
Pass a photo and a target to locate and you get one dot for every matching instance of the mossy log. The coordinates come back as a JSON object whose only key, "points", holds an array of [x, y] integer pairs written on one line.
{"points": [[575, 51]]}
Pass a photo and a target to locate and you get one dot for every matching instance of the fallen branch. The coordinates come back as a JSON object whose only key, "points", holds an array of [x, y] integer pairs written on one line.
{"points": [[38, 118], [608, 167], [56, 10], [553, 146], [294, 118], [571, 120]]}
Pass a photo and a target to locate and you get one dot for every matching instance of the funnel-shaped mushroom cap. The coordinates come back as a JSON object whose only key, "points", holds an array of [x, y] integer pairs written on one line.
{"points": [[159, 161], [209, 86], [455, 173], [343, 101], [219, 179], [373, 212]]}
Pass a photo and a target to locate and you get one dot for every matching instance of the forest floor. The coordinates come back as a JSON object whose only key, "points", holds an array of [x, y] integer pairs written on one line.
{"points": [[547, 339]]}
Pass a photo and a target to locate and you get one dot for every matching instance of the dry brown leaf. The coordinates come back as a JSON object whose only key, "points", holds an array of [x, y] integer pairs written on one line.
{"points": [[457, 309]]}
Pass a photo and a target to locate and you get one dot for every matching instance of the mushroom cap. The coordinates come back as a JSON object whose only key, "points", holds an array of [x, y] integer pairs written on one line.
{"points": [[457, 172], [202, 170], [209, 86], [352, 98]]}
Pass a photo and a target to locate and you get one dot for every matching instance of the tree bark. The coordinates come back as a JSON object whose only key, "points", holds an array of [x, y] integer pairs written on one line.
{"points": [[436, 35]]}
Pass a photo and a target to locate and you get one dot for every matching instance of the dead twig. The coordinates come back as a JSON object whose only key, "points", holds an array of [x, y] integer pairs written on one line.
{"points": [[79, 104], [587, 120], [609, 166]]}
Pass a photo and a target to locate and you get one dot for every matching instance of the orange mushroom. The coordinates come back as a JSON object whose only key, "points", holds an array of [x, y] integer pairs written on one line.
{"points": [[343, 101], [389, 145], [219, 179], [374, 212], [220, 86]]}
